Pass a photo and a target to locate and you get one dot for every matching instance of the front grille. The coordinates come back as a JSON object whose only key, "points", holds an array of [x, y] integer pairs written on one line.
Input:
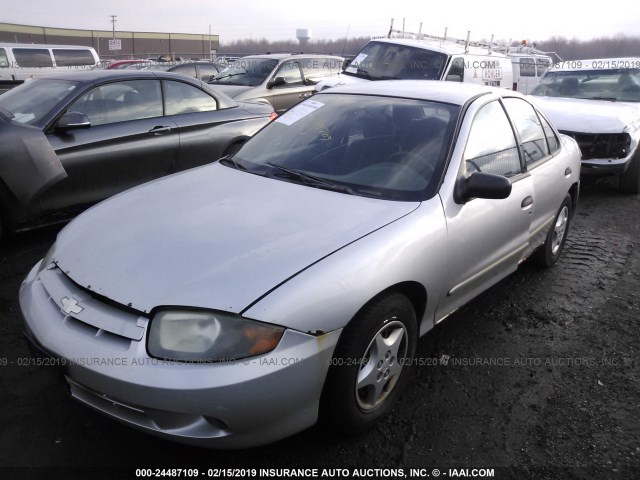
{"points": [[602, 145], [92, 318]]}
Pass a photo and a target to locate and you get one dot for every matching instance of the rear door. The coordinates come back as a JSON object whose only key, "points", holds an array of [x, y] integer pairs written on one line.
{"points": [[205, 130], [129, 142], [539, 144]]}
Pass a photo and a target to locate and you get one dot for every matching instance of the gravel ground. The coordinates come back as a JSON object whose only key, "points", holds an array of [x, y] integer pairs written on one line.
{"points": [[536, 378]]}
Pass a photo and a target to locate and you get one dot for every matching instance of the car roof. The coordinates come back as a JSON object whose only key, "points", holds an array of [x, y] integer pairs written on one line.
{"points": [[97, 76], [449, 48], [279, 56], [447, 92]]}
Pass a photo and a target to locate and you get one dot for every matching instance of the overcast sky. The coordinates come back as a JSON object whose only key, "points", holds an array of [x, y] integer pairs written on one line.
{"points": [[279, 19]]}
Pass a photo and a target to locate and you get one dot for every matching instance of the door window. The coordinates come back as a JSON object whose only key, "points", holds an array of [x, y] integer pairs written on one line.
{"points": [[290, 71], [184, 98], [121, 102], [491, 146], [527, 123], [527, 67]]}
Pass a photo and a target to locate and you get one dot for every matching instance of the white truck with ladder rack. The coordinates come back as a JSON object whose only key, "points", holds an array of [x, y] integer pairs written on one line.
{"points": [[404, 55]]}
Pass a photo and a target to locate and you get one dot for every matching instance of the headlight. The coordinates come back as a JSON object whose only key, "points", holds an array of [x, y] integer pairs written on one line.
{"points": [[205, 336], [48, 258]]}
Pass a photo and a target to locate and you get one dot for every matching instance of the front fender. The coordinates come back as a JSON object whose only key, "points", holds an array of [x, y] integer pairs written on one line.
{"points": [[328, 294]]}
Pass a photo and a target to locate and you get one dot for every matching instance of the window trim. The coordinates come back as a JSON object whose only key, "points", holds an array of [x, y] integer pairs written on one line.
{"points": [[463, 163], [548, 156]]}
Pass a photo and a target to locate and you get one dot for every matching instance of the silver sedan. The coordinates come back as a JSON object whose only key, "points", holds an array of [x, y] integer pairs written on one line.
{"points": [[237, 303]]}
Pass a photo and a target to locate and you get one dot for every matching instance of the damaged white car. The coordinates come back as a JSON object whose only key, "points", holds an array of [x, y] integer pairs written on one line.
{"points": [[597, 102]]}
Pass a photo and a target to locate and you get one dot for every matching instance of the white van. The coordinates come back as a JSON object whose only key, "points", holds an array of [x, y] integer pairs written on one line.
{"points": [[529, 65], [19, 61], [425, 59]]}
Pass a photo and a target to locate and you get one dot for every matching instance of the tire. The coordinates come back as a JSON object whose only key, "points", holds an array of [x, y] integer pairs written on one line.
{"points": [[549, 253], [630, 180], [370, 365]]}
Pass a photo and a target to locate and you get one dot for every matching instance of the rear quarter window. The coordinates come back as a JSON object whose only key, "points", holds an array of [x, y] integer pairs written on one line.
{"points": [[73, 58]]}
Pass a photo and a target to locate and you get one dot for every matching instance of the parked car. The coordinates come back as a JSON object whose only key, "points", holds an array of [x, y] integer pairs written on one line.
{"points": [[20, 61], [282, 79], [125, 64], [201, 70], [291, 280], [597, 102], [70, 140]]}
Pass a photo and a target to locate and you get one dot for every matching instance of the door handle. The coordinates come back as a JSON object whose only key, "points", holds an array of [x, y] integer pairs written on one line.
{"points": [[159, 130], [527, 202], [304, 95]]}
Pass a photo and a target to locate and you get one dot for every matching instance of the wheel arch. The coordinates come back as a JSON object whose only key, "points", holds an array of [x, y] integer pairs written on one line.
{"points": [[574, 192], [414, 291]]}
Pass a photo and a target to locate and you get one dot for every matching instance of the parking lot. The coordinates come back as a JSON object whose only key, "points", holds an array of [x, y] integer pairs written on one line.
{"points": [[536, 378]]}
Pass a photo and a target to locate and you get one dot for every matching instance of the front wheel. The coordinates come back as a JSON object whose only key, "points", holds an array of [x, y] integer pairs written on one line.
{"points": [[549, 253], [370, 365]]}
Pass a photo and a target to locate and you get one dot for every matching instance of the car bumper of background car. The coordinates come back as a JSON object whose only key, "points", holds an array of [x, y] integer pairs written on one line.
{"points": [[224, 405], [605, 166]]}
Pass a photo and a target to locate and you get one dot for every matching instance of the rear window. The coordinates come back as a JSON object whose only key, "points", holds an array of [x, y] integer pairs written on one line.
{"points": [[72, 58], [32, 57]]}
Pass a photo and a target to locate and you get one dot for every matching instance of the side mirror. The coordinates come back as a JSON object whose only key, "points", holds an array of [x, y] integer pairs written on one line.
{"points": [[276, 82], [454, 77], [483, 185], [73, 120]]}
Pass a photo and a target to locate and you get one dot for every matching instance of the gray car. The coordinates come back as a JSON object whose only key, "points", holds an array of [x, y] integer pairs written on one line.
{"points": [[70, 140], [238, 303], [282, 79]]}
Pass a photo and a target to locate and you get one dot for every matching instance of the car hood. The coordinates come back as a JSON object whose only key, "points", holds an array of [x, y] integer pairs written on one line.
{"points": [[212, 237], [589, 116]]}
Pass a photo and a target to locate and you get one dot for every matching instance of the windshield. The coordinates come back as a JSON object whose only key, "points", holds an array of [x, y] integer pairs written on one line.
{"points": [[380, 147], [247, 72], [30, 102], [616, 85], [389, 61]]}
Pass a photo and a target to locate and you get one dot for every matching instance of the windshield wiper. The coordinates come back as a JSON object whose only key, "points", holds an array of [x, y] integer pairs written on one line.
{"points": [[228, 159], [313, 181], [611, 99], [229, 75]]}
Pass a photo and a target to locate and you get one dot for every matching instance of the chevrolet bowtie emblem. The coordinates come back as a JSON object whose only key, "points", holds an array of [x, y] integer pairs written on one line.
{"points": [[70, 305]]}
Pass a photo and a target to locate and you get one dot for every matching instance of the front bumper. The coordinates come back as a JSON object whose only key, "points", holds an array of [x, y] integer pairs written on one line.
{"points": [[605, 166], [100, 353]]}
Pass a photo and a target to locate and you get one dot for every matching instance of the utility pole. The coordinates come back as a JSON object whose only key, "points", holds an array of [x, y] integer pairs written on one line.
{"points": [[113, 21]]}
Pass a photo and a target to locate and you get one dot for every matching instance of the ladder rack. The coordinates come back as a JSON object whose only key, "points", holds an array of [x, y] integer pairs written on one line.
{"points": [[490, 46]]}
